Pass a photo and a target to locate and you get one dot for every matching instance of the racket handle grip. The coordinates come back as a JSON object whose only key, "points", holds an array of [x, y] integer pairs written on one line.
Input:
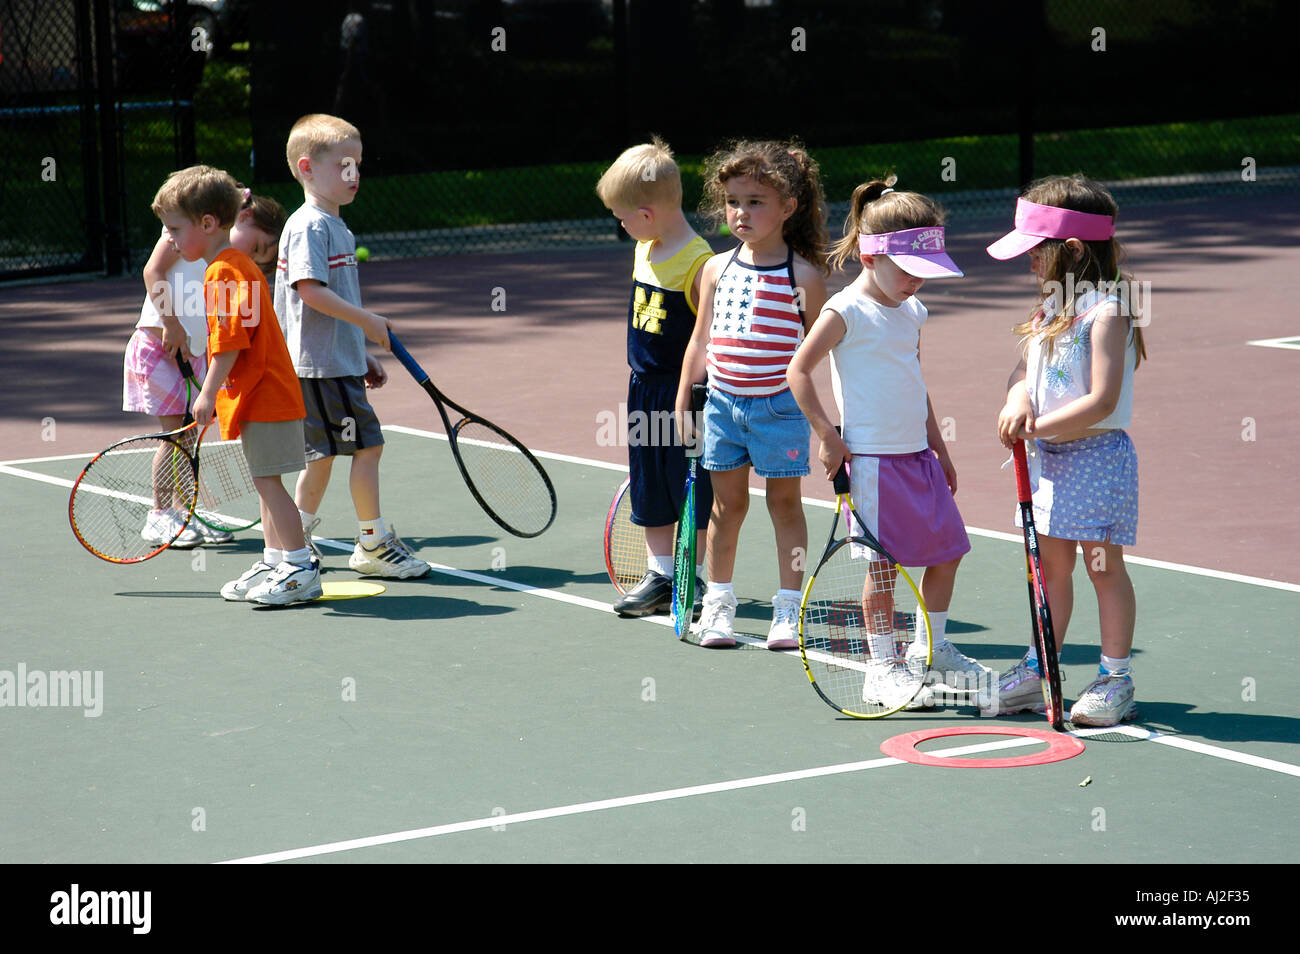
{"points": [[840, 482], [404, 356], [699, 396], [1023, 492], [186, 369]]}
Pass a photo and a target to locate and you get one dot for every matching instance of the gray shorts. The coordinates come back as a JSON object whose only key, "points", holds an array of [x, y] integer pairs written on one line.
{"points": [[272, 447], [340, 419]]}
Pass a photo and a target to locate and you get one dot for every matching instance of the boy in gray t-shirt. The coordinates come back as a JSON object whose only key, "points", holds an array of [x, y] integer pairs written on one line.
{"points": [[318, 301]]}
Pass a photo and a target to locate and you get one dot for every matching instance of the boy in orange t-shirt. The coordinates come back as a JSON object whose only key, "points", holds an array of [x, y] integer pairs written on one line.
{"points": [[251, 384]]}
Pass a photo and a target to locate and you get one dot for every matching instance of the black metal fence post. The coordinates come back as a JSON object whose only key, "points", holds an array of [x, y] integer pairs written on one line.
{"points": [[108, 139]]}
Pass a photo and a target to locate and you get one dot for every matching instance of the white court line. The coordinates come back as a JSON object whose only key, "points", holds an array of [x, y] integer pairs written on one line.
{"points": [[977, 531], [1289, 343], [541, 455], [32, 475], [582, 808], [7, 468], [1140, 733], [1136, 731], [713, 788]]}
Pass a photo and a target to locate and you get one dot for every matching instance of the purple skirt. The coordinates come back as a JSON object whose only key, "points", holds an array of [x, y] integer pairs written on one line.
{"points": [[905, 502]]}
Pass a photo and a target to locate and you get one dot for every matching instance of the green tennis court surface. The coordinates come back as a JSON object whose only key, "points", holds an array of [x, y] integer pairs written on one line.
{"points": [[497, 711]]}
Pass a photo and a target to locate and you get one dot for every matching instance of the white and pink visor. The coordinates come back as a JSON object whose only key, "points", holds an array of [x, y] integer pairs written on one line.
{"points": [[919, 252], [1036, 222]]}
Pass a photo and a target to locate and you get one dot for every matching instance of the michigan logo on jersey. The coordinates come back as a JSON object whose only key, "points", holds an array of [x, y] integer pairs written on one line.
{"points": [[648, 314]]}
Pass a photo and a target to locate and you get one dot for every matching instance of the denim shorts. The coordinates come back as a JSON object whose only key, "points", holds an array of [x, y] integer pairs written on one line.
{"points": [[769, 432]]}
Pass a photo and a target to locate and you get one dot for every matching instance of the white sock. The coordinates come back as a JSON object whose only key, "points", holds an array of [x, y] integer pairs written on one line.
{"points": [[718, 589], [272, 556], [790, 594], [1115, 667], [663, 565], [306, 517], [938, 628], [372, 531], [298, 557]]}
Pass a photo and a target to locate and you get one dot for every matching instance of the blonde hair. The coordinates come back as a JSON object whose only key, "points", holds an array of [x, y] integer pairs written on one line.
{"points": [[642, 175], [198, 191], [313, 134], [874, 211], [1098, 265], [789, 169]]}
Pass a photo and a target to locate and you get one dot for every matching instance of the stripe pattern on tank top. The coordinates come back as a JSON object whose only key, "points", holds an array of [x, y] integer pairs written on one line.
{"points": [[756, 329]]}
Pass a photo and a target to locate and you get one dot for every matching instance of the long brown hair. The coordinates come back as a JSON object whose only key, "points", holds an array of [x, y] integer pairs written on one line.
{"points": [[1098, 264], [791, 171]]}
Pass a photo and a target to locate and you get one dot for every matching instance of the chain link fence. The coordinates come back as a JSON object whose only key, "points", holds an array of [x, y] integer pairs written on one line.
{"points": [[486, 123]]}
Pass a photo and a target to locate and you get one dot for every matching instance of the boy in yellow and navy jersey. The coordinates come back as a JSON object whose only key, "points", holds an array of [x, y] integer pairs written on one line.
{"points": [[643, 189]]}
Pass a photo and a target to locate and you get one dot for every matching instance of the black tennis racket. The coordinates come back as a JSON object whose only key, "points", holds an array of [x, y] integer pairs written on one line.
{"points": [[1040, 614], [865, 654], [227, 498], [684, 550], [500, 472]]}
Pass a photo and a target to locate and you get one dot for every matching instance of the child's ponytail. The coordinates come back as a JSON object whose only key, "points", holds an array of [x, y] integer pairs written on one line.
{"points": [[875, 209]]}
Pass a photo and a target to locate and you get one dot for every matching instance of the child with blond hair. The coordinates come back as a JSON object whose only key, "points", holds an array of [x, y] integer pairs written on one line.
{"points": [[318, 300], [643, 189]]}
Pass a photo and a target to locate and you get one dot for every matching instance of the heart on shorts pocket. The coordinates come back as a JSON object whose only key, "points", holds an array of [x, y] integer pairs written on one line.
{"points": [[792, 454]]}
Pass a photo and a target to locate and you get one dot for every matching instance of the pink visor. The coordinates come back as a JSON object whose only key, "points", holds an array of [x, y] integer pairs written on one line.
{"points": [[919, 252], [1036, 222]]}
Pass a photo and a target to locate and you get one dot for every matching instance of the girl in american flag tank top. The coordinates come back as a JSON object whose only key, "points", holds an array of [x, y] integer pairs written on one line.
{"points": [[755, 303]]}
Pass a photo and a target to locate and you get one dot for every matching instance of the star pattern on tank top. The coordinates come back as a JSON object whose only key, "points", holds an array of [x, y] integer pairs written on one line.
{"points": [[736, 294]]}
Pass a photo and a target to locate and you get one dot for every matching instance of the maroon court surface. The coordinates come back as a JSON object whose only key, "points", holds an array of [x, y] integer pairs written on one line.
{"points": [[1215, 418]]}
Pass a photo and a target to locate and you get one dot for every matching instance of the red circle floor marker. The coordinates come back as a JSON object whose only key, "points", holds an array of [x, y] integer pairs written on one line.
{"points": [[1059, 747]]}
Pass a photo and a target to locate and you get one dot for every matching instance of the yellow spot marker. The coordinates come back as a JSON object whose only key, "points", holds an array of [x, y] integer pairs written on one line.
{"points": [[349, 590]]}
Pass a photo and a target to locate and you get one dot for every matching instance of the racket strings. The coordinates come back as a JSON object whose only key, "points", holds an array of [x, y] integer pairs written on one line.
{"points": [[858, 622], [508, 482], [227, 498], [625, 544], [138, 489]]}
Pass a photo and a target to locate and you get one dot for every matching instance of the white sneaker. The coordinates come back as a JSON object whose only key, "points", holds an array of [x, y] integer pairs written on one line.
{"points": [[887, 684], [389, 557], [951, 667], [784, 633], [718, 621], [1107, 701], [161, 526], [210, 534], [237, 590], [288, 583], [1019, 689]]}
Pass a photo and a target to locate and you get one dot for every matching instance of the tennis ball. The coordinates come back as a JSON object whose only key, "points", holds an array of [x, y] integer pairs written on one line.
{"points": [[723, 230], [363, 253]]}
